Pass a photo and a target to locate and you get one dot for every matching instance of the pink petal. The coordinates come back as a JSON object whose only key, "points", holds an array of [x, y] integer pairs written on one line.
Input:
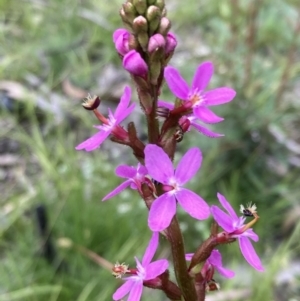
{"points": [[119, 32], [121, 39], [161, 212], [249, 253], [158, 163], [176, 83], [219, 96], [171, 43], [222, 219], [227, 206], [251, 234], [206, 115], [225, 272], [188, 165], [156, 268], [125, 171], [165, 104], [123, 290], [136, 291], [134, 63], [202, 76], [141, 169], [193, 204], [151, 249], [117, 190], [125, 114], [215, 259], [203, 130], [123, 104], [94, 141]]}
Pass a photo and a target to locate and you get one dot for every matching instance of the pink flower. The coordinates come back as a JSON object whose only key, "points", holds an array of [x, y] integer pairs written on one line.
{"points": [[135, 176], [146, 270], [160, 168], [193, 121], [214, 261], [195, 96], [121, 39], [236, 228], [133, 63], [111, 124]]}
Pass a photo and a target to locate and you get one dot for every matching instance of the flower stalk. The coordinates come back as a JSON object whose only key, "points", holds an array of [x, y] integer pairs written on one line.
{"points": [[145, 47]]}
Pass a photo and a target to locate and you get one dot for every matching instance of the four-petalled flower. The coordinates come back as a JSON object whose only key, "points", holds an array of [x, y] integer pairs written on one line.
{"points": [[236, 228], [160, 168], [146, 270], [111, 124], [195, 97]]}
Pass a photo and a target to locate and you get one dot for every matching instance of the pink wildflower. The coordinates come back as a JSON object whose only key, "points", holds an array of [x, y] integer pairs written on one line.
{"points": [[160, 168], [236, 228], [195, 96], [146, 270], [111, 124]]}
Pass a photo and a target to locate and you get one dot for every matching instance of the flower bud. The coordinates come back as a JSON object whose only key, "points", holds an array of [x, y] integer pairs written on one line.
{"points": [[153, 16], [140, 24], [164, 26], [133, 63], [152, 13], [171, 43], [129, 12], [121, 40], [143, 39], [155, 42], [160, 4], [151, 2], [124, 17], [140, 6]]}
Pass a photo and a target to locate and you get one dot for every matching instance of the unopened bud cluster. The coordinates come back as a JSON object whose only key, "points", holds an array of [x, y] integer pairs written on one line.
{"points": [[146, 45]]}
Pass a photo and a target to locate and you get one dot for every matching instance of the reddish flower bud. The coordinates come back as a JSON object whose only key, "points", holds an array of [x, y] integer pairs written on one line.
{"points": [[133, 63]]}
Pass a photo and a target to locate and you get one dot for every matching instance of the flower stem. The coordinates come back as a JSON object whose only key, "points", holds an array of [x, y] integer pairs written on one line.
{"points": [[152, 122], [177, 247]]}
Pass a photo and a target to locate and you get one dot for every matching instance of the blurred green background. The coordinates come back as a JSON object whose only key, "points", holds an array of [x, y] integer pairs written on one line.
{"points": [[52, 53]]}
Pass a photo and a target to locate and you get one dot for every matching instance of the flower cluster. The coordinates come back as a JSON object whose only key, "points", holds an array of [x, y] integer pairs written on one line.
{"points": [[145, 48]]}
